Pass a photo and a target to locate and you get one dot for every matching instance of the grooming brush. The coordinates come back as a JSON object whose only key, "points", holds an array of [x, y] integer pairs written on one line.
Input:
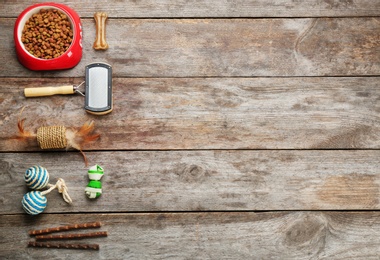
{"points": [[98, 89]]}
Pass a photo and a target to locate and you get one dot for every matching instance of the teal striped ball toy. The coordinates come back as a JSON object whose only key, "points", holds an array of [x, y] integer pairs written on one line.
{"points": [[34, 202], [36, 177]]}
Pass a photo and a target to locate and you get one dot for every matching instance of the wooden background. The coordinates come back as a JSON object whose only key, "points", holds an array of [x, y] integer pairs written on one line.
{"points": [[240, 130]]}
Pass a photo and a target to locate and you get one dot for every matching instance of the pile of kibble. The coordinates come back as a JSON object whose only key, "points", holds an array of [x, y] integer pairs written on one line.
{"points": [[47, 34]]}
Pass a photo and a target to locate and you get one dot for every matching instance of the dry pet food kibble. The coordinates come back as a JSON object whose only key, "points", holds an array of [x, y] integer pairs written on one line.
{"points": [[47, 34]]}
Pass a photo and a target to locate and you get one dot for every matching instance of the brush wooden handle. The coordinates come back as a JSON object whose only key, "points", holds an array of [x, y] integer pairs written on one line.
{"points": [[48, 91]]}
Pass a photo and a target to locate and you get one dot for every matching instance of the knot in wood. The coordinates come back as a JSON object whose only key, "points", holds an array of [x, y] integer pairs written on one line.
{"points": [[50, 137]]}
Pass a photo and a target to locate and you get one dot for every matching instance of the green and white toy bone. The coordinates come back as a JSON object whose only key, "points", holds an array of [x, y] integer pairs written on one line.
{"points": [[94, 187]]}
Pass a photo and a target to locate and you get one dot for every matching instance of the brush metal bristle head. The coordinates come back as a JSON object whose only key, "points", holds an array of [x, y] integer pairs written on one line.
{"points": [[98, 98]]}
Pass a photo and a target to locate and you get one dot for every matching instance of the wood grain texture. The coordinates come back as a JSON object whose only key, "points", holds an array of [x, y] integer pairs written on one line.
{"points": [[236, 113], [202, 180], [221, 108], [235, 235], [222, 48], [209, 8]]}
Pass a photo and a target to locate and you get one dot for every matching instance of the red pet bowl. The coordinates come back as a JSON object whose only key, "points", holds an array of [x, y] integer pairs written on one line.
{"points": [[68, 59]]}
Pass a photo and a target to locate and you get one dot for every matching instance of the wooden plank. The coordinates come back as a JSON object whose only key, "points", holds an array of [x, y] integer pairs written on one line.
{"points": [[222, 47], [203, 180], [209, 8], [213, 113], [272, 235]]}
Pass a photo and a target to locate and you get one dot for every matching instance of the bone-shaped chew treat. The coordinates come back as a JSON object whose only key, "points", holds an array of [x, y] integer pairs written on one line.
{"points": [[100, 23]]}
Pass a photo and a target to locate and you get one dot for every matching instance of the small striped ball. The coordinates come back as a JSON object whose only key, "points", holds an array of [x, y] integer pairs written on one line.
{"points": [[36, 177], [34, 202]]}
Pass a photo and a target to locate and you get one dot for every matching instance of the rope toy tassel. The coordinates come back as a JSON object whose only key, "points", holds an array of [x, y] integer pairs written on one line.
{"points": [[62, 188]]}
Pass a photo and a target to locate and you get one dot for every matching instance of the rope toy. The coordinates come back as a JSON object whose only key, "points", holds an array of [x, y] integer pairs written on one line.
{"points": [[94, 187], [49, 137], [58, 137], [37, 178]]}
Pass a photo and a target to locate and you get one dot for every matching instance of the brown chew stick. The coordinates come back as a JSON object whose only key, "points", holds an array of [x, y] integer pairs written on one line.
{"points": [[64, 246], [72, 236], [100, 23], [65, 228]]}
